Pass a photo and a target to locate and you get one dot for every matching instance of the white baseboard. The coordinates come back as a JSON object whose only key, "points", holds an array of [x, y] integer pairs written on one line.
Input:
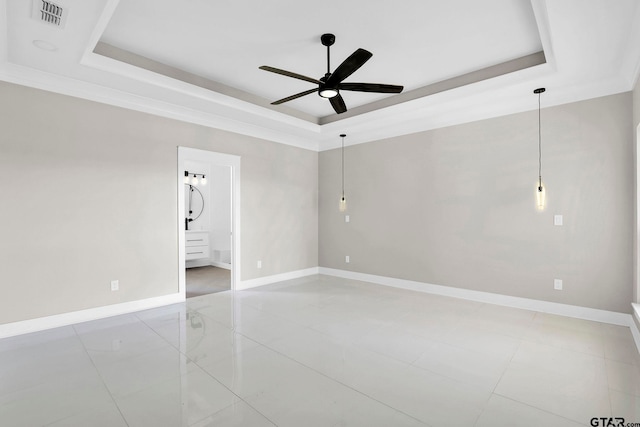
{"points": [[220, 265], [261, 281], [634, 326], [206, 263], [585, 313], [65, 319], [194, 263]]}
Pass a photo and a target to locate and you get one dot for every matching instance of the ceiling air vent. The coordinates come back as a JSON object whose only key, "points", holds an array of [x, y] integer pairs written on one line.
{"points": [[48, 12]]}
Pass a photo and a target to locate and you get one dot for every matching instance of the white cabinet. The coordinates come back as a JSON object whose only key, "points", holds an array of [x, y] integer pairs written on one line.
{"points": [[197, 245]]}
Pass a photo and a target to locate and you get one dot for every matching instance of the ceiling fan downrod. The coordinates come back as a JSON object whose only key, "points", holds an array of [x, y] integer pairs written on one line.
{"points": [[328, 40]]}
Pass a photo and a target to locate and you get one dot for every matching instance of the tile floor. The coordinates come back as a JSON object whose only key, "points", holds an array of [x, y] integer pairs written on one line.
{"points": [[322, 351]]}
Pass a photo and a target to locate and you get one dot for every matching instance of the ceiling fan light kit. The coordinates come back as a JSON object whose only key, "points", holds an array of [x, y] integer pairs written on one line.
{"points": [[327, 92], [330, 85]]}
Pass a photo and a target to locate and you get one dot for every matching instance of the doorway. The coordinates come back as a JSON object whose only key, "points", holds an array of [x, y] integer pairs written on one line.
{"points": [[208, 221]]}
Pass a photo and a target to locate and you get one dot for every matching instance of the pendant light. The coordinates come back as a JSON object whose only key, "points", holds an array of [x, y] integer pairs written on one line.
{"points": [[343, 202], [540, 188]]}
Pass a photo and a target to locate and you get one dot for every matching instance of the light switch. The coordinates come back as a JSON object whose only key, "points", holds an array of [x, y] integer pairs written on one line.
{"points": [[346, 259], [557, 220], [557, 284], [346, 218]]}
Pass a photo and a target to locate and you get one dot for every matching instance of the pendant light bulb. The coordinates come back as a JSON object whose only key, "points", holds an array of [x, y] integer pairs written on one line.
{"points": [[541, 191], [540, 195], [203, 181], [194, 180]]}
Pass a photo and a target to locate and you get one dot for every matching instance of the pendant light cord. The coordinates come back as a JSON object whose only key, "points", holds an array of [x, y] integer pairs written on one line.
{"points": [[342, 166], [539, 146]]}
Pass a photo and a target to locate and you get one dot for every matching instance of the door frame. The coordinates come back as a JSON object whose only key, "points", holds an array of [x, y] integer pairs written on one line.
{"points": [[218, 159]]}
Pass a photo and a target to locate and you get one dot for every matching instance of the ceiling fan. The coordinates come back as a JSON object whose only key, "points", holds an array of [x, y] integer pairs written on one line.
{"points": [[331, 84]]}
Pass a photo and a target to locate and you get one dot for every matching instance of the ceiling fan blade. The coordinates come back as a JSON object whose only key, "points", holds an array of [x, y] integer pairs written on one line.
{"points": [[338, 104], [292, 97], [289, 74], [371, 87], [349, 66]]}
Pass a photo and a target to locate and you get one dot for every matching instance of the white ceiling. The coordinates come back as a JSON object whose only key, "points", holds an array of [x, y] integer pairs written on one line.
{"points": [[196, 60], [415, 42]]}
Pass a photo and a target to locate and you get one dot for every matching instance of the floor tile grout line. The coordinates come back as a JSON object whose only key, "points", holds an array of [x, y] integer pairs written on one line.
{"points": [[539, 409], [113, 399], [606, 372], [317, 372], [204, 370], [335, 380], [232, 392], [493, 391]]}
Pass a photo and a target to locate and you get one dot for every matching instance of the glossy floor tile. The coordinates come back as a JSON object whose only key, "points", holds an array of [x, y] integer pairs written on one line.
{"points": [[322, 351]]}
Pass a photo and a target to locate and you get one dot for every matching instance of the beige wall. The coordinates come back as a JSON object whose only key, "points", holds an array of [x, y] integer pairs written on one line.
{"points": [[89, 195], [455, 206]]}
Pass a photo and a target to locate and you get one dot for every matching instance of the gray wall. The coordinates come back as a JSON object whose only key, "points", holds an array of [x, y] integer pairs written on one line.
{"points": [[89, 195], [455, 206]]}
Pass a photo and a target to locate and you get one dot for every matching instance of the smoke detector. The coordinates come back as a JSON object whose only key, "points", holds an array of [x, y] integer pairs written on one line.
{"points": [[49, 13]]}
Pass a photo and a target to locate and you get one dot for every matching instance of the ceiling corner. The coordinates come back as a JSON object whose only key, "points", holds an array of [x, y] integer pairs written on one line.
{"points": [[542, 20]]}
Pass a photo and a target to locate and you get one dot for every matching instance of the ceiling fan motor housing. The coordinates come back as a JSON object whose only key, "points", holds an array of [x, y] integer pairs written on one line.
{"points": [[330, 85]]}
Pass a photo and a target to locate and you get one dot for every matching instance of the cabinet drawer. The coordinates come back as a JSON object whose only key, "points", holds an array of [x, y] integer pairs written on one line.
{"points": [[196, 252], [197, 239]]}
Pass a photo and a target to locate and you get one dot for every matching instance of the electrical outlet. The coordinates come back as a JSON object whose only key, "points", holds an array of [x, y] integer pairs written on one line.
{"points": [[557, 284], [346, 218], [557, 220], [259, 264], [115, 285], [346, 259]]}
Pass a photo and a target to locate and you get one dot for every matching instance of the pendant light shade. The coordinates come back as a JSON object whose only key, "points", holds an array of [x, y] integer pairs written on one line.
{"points": [[342, 205], [540, 196], [541, 191]]}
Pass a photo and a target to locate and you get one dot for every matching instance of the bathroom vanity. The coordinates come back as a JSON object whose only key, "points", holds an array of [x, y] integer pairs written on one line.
{"points": [[197, 245]]}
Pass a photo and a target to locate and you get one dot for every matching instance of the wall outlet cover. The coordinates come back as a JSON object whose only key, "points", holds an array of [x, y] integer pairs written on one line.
{"points": [[557, 284]]}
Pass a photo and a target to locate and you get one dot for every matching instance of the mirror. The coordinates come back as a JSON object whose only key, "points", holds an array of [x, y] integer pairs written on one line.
{"points": [[194, 204]]}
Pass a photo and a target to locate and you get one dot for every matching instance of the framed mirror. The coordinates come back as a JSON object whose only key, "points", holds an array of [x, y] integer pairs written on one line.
{"points": [[194, 204]]}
